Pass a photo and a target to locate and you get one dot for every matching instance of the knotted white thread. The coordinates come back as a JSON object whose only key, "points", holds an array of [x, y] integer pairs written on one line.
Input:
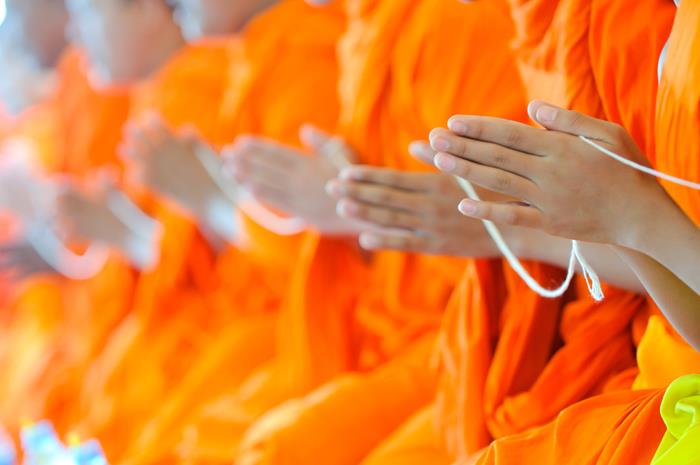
{"points": [[589, 274]]}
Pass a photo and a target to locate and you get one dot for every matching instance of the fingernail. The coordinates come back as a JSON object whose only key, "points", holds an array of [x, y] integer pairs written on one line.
{"points": [[441, 144], [416, 148], [369, 241], [457, 127], [347, 174], [334, 188], [445, 162], [244, 142], [546, 114], [346, 208], [467, 207]]}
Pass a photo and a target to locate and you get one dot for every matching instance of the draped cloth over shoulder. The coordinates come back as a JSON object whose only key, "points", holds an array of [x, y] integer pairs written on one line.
{"points": [[584, 55], [626, 427], [513, 364], [77, 133], [402, 74], [202, 322]]}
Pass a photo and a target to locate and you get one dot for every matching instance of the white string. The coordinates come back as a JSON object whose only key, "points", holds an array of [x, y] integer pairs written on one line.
{"points": [[589, 274], [69, 264], [263, 216], [591, 277], [642, 168]]}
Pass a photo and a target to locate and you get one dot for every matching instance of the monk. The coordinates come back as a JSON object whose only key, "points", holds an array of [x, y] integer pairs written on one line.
{"points": [[624, 427], [396, 316], [199, 293], [78, 131], [492, 367]]}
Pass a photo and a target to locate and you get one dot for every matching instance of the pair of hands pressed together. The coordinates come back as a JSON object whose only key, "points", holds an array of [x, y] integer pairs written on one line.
{"points": [[547, 183], [569, 196], [541, 185], [570, 189]]}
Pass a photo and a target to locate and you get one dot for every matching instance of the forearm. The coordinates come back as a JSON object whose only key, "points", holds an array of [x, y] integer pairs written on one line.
{"points": [[669, 237], [678, 301], [535, 245]]}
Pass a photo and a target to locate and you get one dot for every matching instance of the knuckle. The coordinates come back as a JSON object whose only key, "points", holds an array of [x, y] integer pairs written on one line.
{"points": [[464, 169], [617, 131], [513, 137], [500, 160], [461, 145], [502, 182], [476, 130], [510, 216], [383, 196], [576, 120]]}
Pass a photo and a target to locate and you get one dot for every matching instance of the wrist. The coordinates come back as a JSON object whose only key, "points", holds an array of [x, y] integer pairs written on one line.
{"points": [[533, 244], [643, 231]]}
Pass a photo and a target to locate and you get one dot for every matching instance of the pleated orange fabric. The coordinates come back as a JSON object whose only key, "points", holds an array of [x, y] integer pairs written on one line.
{"points": [[403, 73], [202, 322], [171, 319], [678, 153], [626, 427], [583, 60], [81, 131], [513, 364]]}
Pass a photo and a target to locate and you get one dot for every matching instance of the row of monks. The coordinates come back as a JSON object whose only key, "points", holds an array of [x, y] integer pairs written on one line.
{"points": [[294, 273]]}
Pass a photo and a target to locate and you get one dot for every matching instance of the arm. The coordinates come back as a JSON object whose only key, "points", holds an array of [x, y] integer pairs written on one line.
{"points": [[535, 245], [678, 301], [669, 237], [575, 192], [416, 212]]}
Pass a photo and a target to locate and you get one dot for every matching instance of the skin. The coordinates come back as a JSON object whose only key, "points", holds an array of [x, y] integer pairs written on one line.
{"points": [[412, 212], [573, 191], [168, 162], [291, 181], [42, 28], [214, 18], [415, 212], [19, 261], [38, 31], [172, 164], [113, 34]]}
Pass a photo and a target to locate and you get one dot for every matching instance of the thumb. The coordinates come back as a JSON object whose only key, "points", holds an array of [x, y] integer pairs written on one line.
{"points": [[190, 135], [108, 177], [422, 151], [568, 121], [332, 147]]}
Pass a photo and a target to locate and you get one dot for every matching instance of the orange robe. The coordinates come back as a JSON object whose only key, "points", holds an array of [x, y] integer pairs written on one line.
{"points": [[201, 323], [80, 133], [403, 73], [625, 428], [522, 361]]}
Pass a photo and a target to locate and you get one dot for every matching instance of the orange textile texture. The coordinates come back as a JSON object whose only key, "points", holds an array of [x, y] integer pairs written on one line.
{"points": [[677, 153], [171, 318], [585, 55], [510, 365], [202, 322], [626, 428], [80, 134], [402, 74]]}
